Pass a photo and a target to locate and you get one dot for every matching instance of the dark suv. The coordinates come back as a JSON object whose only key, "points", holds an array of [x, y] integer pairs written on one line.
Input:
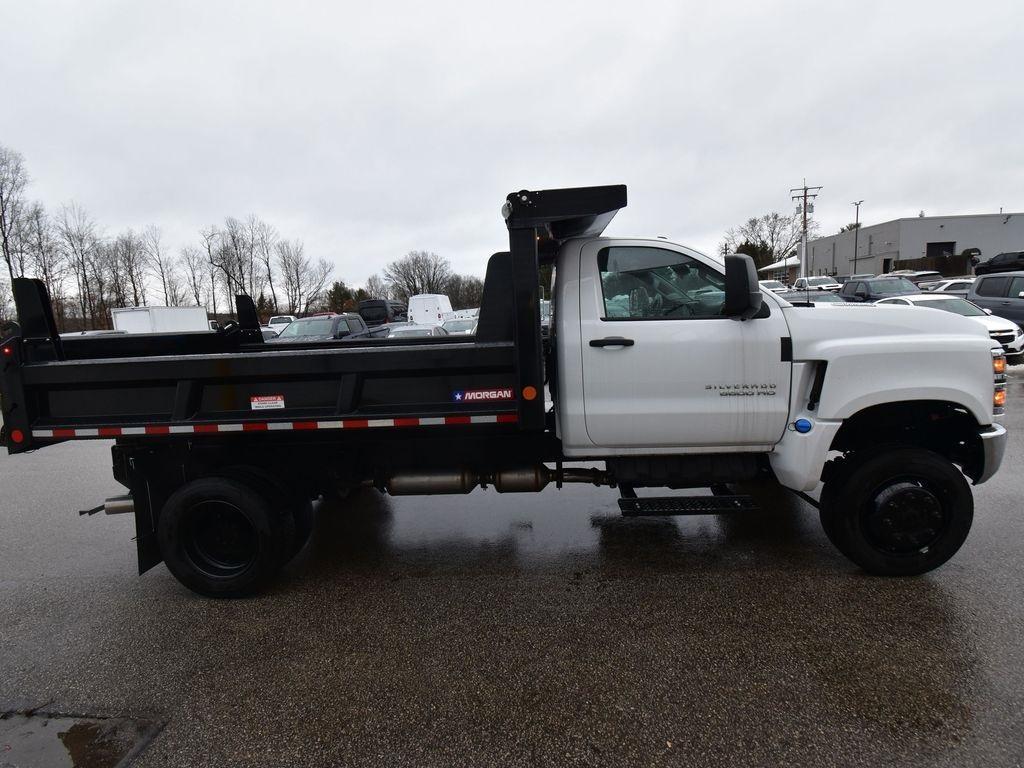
{"points": [[382, 311], [876, 288], [323, 328], [1001, 262]]}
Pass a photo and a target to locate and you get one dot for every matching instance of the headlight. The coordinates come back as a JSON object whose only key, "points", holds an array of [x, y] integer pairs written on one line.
{"points": [[1020, 331]]}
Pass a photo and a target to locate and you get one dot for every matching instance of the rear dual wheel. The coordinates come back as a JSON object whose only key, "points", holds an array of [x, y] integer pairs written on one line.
{"points": [[901, 512], [228, 537]]}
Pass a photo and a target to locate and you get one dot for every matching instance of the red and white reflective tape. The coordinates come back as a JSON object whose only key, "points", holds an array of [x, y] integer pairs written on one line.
{"points": [[67, 433]]}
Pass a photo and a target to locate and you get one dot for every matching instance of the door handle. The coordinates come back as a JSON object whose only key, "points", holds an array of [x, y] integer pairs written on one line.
{"points": [[612, 341]]}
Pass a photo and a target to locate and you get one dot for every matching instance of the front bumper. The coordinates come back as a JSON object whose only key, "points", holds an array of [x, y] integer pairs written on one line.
{"points": [[993, 443]]}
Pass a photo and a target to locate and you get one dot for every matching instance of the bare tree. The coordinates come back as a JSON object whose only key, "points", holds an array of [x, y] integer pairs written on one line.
{"points": [[418, 272], [465, 291], [194, 263], [13, 179], [211, 237], [6, 310], [76, 232], [378, 288], [779, 235], [46, 259], [303, 280], [159, 261], [129, 263], [265, 238]]}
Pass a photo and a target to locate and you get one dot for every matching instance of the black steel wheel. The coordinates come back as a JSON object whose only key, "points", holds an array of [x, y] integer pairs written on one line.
{"points": [[898, 512], [221, 537]]}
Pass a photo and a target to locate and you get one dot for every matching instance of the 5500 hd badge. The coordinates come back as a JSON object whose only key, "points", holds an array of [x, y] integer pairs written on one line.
{"points": [[742, 390]]}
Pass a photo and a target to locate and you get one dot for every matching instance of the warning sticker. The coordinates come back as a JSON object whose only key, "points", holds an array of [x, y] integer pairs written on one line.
{"points": [[477, 395], [266, 402]]}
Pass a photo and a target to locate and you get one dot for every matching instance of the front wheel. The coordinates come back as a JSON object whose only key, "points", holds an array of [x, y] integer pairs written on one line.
{"points": [[899, 513]]}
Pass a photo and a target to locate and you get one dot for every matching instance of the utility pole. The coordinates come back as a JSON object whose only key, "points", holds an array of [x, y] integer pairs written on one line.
{"points": [[856, 232], [804, 197]]}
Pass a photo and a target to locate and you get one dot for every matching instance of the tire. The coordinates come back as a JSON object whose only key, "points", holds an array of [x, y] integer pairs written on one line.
{"points": [[295, 513], [902, 512], [221, 537]]}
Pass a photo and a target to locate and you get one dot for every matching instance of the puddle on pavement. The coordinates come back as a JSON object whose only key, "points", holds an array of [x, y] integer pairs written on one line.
{"points": [[58, 741]]}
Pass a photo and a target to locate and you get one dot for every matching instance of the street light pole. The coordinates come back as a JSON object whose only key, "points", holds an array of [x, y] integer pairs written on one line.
{"points": [[856, 232]]}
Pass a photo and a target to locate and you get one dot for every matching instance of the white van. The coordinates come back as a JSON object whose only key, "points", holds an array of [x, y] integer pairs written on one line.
{"points": [[428, 308]]}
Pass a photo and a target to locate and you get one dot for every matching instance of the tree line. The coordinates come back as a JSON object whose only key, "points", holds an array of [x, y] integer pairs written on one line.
{"points": [[88, 272]]}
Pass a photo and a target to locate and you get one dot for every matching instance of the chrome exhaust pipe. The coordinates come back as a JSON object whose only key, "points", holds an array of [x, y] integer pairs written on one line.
{"points": [[119, 505], [530, 479]]}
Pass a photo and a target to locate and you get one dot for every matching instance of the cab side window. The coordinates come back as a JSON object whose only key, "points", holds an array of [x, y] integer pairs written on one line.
{"points": [[1016, 288], [642, 283], [992, 286]]}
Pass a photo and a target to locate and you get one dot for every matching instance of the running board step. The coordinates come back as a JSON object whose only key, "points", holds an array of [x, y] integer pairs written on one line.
{"points": [[685, 505]]}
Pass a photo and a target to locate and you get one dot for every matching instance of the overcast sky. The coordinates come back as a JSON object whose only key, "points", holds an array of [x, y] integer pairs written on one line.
{"points": [[368, 130]]}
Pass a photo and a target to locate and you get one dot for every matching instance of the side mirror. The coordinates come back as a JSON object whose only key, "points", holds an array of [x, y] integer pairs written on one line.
{"points": [[988, 311], [341, 334], [742, 293], [1020, 295]]}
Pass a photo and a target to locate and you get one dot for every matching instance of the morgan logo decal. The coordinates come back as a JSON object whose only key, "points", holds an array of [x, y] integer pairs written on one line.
{"points": [[480, 395]]}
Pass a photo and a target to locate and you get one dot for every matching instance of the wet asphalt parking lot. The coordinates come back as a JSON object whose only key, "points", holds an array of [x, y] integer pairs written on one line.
{"points": [[518, 630]]}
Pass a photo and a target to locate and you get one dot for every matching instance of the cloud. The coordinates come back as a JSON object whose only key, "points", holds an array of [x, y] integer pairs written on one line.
{"points": [[370, 131]]}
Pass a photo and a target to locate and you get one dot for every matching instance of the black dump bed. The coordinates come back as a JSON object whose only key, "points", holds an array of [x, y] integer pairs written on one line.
{"points": [[230, 382]]}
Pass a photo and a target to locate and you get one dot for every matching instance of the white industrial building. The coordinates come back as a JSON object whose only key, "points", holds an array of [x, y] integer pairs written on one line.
{"points": [[885, 247]]}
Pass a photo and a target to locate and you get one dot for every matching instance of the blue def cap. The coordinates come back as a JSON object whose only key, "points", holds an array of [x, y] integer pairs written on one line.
{"points": [[803, 426]]}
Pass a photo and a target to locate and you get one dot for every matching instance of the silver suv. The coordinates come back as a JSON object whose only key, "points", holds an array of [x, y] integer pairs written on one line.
{"points": [[1003, 293]]}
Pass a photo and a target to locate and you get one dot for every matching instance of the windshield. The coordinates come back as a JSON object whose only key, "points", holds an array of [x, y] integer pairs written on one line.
{"points": [[771, 284], [893, 285], [457, 325], [280, 320], [957, 306], [821, 281], [825, 297], [312, 326]]}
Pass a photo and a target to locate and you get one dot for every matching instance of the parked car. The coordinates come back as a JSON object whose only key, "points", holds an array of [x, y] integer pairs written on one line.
{"points": [[1002, 293], [459, 327], [1001, 262], [382, 312], [326, 327], [916, 276], [279, 322], [1005, 332], [777, 286], [876, 288], [412, 331], [811, 298], [818, 283], [844, 279], [955, 286]]}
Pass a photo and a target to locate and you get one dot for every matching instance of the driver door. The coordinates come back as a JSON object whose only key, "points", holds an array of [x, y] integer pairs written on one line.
{"points": [[683, 376]]}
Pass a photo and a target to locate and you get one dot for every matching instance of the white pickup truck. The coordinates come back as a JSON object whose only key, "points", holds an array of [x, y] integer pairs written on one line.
{"points": [[670, 367]]}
